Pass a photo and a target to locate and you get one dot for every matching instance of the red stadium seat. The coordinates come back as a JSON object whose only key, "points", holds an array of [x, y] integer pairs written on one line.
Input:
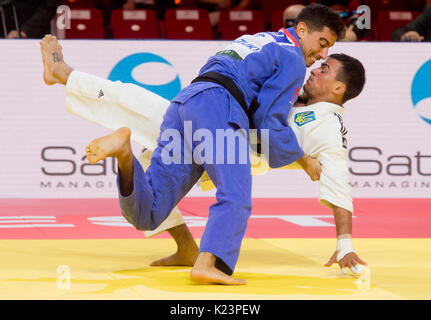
{"points": [[134, 24], [85, 24], [188, 24], [397, 5], [377, 5], [389, 21], [235, 23], [277, 20], [79, 3]]}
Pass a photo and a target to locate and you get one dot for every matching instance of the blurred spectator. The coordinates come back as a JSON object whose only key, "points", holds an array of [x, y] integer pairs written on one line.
{"points": [[416, 5], [338, 4], [417, 30], [160, 6], [353, 33], [290, 14], [214, 7], [347, 11], [34, 17]]}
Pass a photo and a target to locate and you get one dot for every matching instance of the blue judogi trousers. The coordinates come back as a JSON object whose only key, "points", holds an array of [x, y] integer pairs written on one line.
{"points": [[162, 186]]}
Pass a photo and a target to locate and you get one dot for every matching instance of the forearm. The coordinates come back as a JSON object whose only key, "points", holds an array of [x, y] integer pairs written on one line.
{"points": [[343, 223], [129, 4], [311, 166], [303, 161], [396, 35], [244, 4], [345, 254], [419, 25]]}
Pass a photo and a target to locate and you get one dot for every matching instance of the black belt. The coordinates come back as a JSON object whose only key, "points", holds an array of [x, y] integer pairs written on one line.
{"points": [[233, 89]]}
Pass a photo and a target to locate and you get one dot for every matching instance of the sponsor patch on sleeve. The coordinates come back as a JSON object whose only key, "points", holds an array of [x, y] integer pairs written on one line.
{"points": [[304, 117]]}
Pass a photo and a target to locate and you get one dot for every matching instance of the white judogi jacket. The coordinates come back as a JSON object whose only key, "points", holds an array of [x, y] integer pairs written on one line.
{"points": [[321, 134], [318, 129]]}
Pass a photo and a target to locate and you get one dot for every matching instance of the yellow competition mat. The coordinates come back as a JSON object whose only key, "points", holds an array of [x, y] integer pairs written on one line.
{"points": [[274, 269]]}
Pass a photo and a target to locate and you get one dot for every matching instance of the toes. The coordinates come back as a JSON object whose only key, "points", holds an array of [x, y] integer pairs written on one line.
{"points": [[90, 147], [88, 152], [92, 159], [93, 153], [237, 282], [47, 39]]}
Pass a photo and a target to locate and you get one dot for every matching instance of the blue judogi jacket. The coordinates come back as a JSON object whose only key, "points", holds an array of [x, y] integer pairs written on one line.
{"points": [[270, 67]]}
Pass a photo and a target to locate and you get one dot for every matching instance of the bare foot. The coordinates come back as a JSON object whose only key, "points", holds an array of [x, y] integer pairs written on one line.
{"points": [[187, 252], [55, 70], [116, 144], [174, 260], [204, 271], [183, 257]]}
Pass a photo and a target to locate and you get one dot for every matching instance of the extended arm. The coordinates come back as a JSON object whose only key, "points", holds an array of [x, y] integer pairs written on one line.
{"points": [[335, 190], [344, 254], [415, 30]]}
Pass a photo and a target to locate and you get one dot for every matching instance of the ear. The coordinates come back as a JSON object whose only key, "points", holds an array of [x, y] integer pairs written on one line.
{"points": [[301, 29], [339, 88]]}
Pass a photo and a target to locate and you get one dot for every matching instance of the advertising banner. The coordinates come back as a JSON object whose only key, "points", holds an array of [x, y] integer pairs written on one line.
{"points": [[43, 146]]}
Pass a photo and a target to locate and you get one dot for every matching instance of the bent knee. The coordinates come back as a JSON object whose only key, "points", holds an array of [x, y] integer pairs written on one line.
{"points": [[140, 221]]}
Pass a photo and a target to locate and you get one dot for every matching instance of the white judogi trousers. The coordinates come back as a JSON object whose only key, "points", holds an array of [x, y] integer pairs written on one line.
{"points": [[114, 105]]}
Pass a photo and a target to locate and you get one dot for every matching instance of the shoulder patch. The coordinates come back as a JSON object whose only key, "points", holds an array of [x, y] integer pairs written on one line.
{"points": [[304, 117]]}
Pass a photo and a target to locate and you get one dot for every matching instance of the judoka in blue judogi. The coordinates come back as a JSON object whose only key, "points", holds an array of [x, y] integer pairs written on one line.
{"points": [[267, 66]]}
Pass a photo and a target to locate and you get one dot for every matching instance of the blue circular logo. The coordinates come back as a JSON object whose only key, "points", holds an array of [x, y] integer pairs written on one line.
{"points": [[123, 71], [421, 92]]}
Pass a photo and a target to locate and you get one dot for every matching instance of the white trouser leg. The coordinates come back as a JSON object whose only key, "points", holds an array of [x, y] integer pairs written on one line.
{"points": [[114, 105]]}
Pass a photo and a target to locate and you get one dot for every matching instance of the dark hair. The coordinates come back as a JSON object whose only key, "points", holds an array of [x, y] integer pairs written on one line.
{"points": [[317, 16], [352, 73]]}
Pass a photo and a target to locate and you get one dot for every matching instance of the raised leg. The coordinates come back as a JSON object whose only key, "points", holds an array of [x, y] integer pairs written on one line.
{"points": [[55, 70]]}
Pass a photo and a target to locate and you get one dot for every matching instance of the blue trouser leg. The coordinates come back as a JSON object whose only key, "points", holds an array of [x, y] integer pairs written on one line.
{"points": [[227, 221], [162, 186], [159, 189], [228, 217]]}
